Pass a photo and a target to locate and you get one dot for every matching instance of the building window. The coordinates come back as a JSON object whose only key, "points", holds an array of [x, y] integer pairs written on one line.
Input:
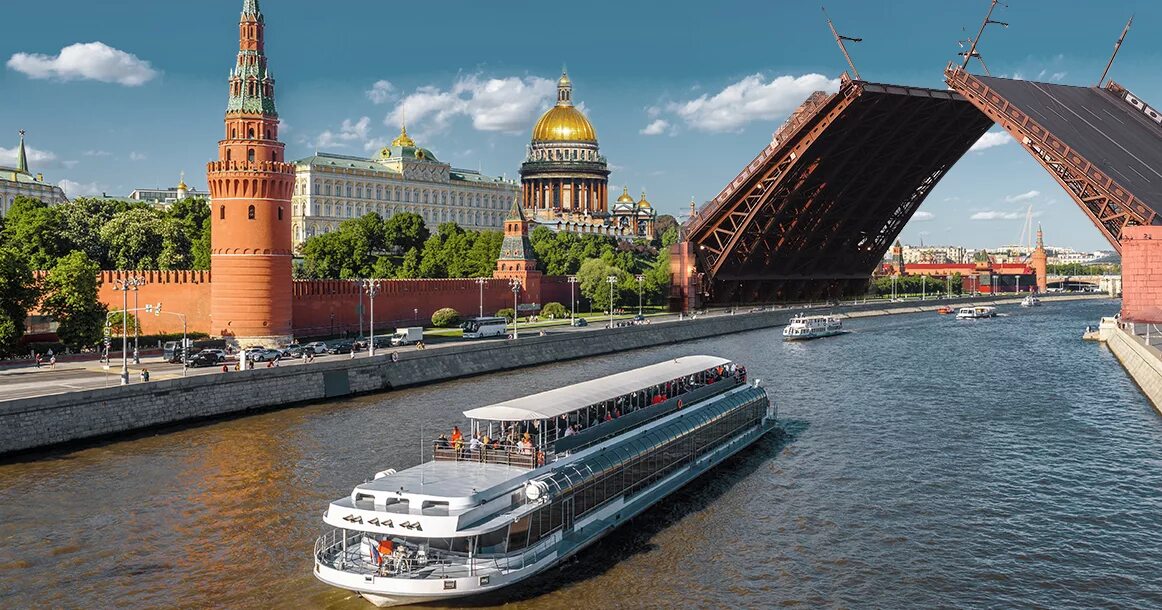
{"points": [[250, 155], [250, 133], [250, 213], [221, 212], [227, 154], [280, 212]]}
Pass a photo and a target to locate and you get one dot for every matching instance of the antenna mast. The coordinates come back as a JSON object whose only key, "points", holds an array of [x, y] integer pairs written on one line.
{"points": [[1117, 46], [839, 41], [975, 41]]}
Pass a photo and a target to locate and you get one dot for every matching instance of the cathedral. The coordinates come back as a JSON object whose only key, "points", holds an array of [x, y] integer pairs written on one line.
{"points": [[565, 180]]}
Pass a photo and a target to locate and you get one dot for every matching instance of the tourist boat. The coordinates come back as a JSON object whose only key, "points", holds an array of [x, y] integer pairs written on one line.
{"points": [[473, 520], [979, 311], [803, 327], [945, 310], [1030, 301]]}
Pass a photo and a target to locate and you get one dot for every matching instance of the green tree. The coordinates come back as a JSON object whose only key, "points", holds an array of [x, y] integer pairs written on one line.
{"points": [[410, 268], [405, 231], [70, 297], [35, 231], [554, 310], [445, 317], [670, 237], [192, 219], [83, 218], [593, 276], [123, 324], [135, 239], [18, 294], [506, 312]]}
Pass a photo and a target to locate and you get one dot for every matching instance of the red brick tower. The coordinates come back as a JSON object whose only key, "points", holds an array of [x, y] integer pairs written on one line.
{"points": [[1040, 263], [517, 260], [251, 184]]}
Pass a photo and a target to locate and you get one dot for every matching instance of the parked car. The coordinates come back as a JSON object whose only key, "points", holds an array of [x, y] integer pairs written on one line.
{"points": [[204, 358], [580, 322], [639, 318], [295, 350], [360, 342], [263, 355], [318, 347], [340, 347]]}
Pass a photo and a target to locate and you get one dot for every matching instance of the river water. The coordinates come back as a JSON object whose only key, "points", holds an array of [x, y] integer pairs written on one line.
{"points": [[924, 463]]}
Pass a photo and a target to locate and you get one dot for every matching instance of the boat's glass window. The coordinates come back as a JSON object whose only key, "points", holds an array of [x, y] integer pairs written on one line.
{"points": [[431, 507], [518, 534], [396, 505], [493, 543], [455, 545]]}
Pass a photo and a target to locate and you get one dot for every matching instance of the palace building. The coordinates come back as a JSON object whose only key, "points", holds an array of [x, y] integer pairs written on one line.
{"points": [[19, 181], [403, 177], [565, 180]]}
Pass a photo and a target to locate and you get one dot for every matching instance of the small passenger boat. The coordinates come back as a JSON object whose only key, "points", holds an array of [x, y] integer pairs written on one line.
{"points": [[976, 312], [590, 456], [945, 310], [1030, 301], [802, 327]]}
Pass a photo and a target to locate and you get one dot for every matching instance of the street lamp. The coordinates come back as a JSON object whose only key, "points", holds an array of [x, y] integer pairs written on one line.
{"points": [[480, 282], [372, 288], [572, 300], [640, 279], [612, 280], [125, 285], [515, 284], [138, 282], [156, 310]]}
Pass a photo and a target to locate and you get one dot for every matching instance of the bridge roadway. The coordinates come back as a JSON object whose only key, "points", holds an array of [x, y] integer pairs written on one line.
{"points": [[27, 381]]}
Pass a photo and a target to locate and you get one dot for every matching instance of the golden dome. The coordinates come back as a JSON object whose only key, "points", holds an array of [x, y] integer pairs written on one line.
{"points": [[643, 203], [564, 124], [403, 139], [625, 196]]}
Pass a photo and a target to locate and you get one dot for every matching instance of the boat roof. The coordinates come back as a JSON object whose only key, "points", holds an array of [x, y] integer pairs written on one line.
{"points": [[447, 479], [559, 401]]}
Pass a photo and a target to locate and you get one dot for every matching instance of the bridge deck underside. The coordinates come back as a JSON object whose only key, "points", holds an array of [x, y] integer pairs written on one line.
{"points": [[835, 196]]}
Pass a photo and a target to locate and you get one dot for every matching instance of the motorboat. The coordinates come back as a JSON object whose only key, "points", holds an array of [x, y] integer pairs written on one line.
{"points": [[485, 514], [945, 310], [976, 312], [803, 327], [1030, 301]]}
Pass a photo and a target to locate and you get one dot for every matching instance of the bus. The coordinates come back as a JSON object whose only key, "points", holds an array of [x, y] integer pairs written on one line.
{"points": [[479, 328]]}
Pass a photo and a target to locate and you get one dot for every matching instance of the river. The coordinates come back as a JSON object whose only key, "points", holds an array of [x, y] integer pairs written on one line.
{"points": [[924, 463]]}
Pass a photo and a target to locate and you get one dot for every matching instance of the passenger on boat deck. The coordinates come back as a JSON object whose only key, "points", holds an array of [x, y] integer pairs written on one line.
{"points": [[457, 438], [474, 444], [616, 413], [385, 549], [485, 442], [658, 398], [442, 442], [570, 431], [526, 444]]}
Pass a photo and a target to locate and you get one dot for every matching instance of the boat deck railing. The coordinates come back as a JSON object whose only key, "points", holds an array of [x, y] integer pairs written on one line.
{"points": [[507, 456], [414, 562]]}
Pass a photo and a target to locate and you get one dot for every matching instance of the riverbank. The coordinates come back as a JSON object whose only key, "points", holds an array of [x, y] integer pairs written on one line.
{"points": [[1138, 356], [45, 421]]}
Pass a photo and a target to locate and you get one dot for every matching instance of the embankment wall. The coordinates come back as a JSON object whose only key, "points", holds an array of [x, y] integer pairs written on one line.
{"points": [[1141, 361]]}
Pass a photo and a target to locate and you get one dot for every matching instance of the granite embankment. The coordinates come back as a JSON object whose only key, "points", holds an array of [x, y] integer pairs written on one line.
{"points": [[1140, 359], [45, 421]]}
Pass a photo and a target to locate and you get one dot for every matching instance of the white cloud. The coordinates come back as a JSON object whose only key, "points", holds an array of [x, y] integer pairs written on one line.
{"points": [[70, 164], [991, 139], [656, 128], [8, 156], [349, 132], [1057, 76], [136, 156], [78, 189], [751, 99], [381, 92], [493, 104], [96, 153], [1023, 196], [923, 216], [997, 215], [86, 61]]}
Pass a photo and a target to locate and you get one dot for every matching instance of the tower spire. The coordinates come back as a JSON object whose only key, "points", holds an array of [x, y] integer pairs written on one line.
{"points": [[250, 7], [21, 156], [564, 89]]}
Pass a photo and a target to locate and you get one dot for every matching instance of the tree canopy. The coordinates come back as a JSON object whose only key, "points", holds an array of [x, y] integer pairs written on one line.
{"points": [[18, 294], [70, 297]]}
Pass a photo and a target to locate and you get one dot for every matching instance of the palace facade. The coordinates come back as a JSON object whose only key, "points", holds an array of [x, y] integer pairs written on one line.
{"points": [[19, 181], [403, 177]]}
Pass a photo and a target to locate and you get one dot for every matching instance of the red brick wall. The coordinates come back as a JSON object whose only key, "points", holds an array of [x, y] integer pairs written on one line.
{"points": [[184, 292], [1142, 273]]}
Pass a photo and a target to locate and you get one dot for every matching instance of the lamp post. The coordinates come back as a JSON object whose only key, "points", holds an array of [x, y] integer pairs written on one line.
{"points": [[612, 280], [572, 300], [372, 288], [640, 279], [125, 285], [515, 284], [138, 282], [156, 310], [480, 282], [332, 323]]}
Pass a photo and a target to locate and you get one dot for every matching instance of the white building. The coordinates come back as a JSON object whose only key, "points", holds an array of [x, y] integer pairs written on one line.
{"points": [[18, 181], [169, 195], [403, 177], [935, 254]]}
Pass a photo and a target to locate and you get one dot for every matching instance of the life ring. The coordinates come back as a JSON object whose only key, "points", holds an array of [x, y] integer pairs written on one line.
{"points": [[679, 403]]}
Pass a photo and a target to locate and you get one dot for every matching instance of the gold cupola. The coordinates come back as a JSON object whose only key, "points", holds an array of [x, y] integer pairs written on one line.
{"points": [[625, 196], [563, 122], [643, 203]]}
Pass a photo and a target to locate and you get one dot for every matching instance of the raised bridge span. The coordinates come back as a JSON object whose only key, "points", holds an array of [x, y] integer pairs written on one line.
{"points": [[817, 208]]}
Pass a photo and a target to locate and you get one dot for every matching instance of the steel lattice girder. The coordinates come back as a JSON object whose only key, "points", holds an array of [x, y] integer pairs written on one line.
{"points": [[1110, 206], [813, 215]]}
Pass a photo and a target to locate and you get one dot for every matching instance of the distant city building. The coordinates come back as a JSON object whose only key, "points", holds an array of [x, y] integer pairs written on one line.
{"points": [[565, 180], [935, 254], [167, 196], [18, 181], [403, 177]]}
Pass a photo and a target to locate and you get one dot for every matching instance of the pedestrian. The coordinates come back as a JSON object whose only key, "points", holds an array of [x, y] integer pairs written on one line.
{"points": [[352, 352], [36, 357], [144, 375], [395, 356], [52, 361], [225, 368]]}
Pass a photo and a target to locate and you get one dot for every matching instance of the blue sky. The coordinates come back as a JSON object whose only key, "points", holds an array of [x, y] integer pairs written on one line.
{"points": [[682, 94]]}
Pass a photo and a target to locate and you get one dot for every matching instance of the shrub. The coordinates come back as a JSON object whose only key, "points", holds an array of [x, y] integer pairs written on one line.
{"points": [[507, 313], [445, 317], [554, 310]]}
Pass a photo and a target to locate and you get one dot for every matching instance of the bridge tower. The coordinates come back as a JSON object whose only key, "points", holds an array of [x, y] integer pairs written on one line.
{"points": [[251, 185], [1040, 260], [517, 260], [898, 257]]}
